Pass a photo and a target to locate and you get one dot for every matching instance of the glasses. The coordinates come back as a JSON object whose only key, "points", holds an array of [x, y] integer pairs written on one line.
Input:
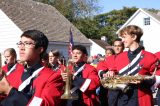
{"points": [[25, 44]]}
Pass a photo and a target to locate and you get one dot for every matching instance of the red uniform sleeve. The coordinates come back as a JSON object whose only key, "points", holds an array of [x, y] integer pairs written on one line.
{"points": [[92, 79], [102, 65], [158, 68], [52, 90]]}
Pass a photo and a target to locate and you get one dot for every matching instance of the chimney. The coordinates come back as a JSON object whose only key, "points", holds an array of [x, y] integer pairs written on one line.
{"points": [[104, 38]]}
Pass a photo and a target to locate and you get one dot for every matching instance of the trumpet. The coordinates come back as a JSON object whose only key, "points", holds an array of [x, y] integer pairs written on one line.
{"points": [[67, 92]]}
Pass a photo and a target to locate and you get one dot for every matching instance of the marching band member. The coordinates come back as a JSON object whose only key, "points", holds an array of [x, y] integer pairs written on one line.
{"points": [[158, 92], [54, 56], [10, 60], [33, 84], [11, 64], [85, 79], [135, 61], [107, 65]]}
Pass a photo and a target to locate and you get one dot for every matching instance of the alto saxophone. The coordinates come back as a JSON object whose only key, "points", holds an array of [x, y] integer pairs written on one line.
{"points": [[121, 82]]}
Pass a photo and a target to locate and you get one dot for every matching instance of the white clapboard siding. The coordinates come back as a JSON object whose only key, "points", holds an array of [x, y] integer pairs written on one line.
{"points": [[96, 49], [61, 47], [151, 35], [9, 33]]}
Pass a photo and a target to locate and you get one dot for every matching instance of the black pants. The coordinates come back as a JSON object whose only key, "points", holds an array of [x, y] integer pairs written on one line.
{"points": [[158, 97], [103, 96]]}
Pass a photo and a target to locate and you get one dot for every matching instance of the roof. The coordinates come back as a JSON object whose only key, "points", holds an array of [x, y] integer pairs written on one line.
{"points": [[28, 14], [101, 43], [154, 16]]}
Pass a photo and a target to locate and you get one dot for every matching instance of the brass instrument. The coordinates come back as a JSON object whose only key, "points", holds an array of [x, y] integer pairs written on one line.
{"points": [[67, 92], [121, 82]]}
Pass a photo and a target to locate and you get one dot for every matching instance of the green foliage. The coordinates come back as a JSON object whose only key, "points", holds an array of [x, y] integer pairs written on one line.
{"points": [[153, 10], [73, 9], [80, 13], [102, 25], [110, 22], [87, 26]]}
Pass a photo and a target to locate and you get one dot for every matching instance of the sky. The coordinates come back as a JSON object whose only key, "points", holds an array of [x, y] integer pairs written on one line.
{"points": [[109, 5]]}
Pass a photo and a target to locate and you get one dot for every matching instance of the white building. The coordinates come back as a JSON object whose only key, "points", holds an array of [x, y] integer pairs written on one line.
{"points": [[99, 46], [150, 23], [17, 16]]}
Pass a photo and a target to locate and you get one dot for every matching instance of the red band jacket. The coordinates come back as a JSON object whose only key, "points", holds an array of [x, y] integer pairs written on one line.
{"points": [[46, 88], [144, 64], [107, 64], [87, 84]]}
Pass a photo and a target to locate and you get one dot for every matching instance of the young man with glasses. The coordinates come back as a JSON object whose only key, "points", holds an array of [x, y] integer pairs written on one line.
{"points": [[34, 84]]}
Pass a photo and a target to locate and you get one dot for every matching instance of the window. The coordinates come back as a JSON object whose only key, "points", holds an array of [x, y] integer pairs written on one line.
{"points": [[147, 21]]}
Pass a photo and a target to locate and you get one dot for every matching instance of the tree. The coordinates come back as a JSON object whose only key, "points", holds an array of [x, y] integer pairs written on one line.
{"points": [[88, 27], [104, 24], [153, 10], [109, 23], [81, 14], [73, 9]]}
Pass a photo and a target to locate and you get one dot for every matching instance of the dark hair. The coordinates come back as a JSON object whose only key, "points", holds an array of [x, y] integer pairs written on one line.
{"points": [[119, 39], [132, 30], [40, 39], [55, 53], [45, 56], [81, 48], [110, 49]]}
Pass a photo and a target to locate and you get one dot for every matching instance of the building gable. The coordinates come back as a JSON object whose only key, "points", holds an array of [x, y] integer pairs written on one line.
{"points": [[141, 11], [150, 38], [98, 47], [10, 33], [28, 14]]}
